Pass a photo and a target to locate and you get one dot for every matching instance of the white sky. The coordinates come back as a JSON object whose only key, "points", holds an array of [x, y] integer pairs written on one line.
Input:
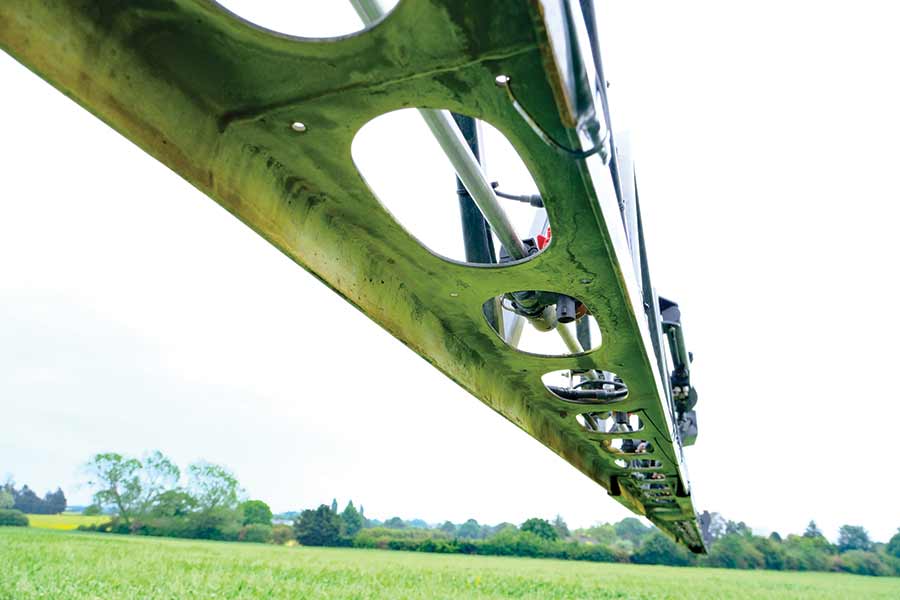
{"points": [[136, 314]]}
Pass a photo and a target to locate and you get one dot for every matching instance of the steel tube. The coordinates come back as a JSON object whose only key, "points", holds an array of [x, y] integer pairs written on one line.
{"points": [[454, 145]]}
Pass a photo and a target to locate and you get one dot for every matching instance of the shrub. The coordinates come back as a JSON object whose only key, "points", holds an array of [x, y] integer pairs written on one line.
{"points": [[416, 540], [256, 533], [114, 525], [518, 543], [219, 524], [12, 518], [282, 534], [861, 562], [772, 552], [807, 553], [735, 551], [596, 553], [657, 549]]}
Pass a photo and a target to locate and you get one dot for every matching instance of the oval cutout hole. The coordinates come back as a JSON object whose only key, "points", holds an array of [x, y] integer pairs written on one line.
{"points": [[591, 387], [404, 166], [627, 446], [302, 18], [610, 422], [645, 465], [543, 322]]}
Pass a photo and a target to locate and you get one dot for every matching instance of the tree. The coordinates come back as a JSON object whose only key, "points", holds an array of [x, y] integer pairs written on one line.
{"points": [[55, 502], [158, 474], [602, 533], [632, 529], [395, 523], [351, 520], [712, 526], [27, 501], [173, 503], [6, 499], [893, 546], [562, 530], [450, 529], [130, 485], [741, 528], [807, 553], [813, 531], [657, 549], [116, 480], [540, 527], [501, 528], [771, 550], [320, 527], [775, 536], [212, 486], [256, 512], [853, 537], [334, 505], [470, 530]]}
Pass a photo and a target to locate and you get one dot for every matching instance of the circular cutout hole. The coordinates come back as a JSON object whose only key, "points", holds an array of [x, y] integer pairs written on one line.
{"points": [[302, 18], [592, 387], [417, 185], [543, 322], [610, 422]]}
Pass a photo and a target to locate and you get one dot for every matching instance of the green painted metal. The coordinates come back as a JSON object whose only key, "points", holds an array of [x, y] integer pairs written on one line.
{"points": [[214, 98]]}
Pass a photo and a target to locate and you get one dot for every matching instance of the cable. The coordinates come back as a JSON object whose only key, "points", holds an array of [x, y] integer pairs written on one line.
{"points": [[503, 81], [532, 199], [581, 395]]}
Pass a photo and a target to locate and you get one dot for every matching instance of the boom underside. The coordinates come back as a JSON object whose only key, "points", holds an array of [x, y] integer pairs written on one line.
{"points": [[217, 100]]}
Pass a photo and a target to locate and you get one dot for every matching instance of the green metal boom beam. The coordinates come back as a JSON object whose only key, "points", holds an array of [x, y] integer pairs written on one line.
{"points": [[216, 98]]}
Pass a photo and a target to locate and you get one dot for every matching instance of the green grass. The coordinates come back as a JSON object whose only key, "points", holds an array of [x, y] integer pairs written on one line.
{"points": [[65, 521], [82, 566]]}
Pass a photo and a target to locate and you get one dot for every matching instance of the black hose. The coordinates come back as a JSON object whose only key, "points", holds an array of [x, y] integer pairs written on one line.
{"points": [[580, 395]]}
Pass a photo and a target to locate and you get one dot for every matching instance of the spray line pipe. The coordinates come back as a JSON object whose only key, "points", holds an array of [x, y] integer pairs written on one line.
{"points": [[460, 155]]}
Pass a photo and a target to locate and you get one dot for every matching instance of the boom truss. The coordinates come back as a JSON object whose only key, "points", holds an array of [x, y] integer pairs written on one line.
{"points": [[263, 123]]}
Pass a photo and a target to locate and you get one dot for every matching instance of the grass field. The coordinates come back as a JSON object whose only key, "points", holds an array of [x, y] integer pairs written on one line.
{"points": [[80, 566], [65, 521]]}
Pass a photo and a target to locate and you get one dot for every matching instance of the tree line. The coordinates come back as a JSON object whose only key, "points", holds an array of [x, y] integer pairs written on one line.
{"points": [[731, 544], [153, 496], [25, 500]]}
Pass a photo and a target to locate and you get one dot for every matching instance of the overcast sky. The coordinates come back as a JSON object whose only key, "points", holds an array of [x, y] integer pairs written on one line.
{"points": [[137, 314]]}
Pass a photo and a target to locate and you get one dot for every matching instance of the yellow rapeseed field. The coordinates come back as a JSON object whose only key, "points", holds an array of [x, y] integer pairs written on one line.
{"points": [[64, 521]]}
